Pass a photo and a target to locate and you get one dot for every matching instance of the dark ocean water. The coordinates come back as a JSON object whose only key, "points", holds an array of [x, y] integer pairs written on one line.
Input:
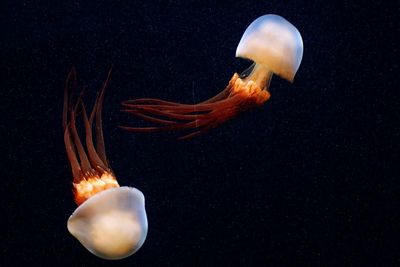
{"points": [[308, 179]]}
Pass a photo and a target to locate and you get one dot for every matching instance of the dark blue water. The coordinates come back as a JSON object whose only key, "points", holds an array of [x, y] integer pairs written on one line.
{"points": [[308, 179]]}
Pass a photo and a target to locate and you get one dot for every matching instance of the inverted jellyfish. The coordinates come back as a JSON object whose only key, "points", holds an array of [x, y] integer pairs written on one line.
{"points": [[271, 42], [110, 220]]}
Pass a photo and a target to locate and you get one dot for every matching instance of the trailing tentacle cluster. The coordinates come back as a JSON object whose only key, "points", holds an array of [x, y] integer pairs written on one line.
{"points": [[90, 167], [237, 97]]}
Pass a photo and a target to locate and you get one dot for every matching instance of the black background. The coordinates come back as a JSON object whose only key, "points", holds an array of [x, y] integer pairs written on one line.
{"points": [[308, 179]]}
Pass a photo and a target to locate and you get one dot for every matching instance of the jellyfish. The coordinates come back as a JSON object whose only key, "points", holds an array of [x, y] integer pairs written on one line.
{"points": [[273, 44], [110, 221]]}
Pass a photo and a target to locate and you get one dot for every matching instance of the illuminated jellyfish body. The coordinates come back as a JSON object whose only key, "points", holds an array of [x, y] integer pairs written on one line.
{"points": [[271, 42], [110, 221]]}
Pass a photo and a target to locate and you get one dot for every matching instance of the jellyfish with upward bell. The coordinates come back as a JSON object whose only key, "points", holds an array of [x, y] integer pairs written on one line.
{"points": [[271, 42], [110, 220]]}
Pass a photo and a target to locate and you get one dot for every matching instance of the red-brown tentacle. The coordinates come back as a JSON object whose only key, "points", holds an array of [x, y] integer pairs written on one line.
{"points": [[181, 108], [100, 147], [69, 145], [149, 118], [65, 104], [175, 114], [85, 164], [195, 124], [71, 76], [196, 133], [143, 129], [176, 126], [75, 166], [149, 101], [94, 158]]}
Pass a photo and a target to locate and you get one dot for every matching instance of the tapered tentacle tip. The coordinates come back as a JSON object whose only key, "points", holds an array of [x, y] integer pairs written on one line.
{"points": [[126, 104], [130, 101], [130, 104], [71, 74], [141, 129], [189, 136], [123, 127], [129, 129], [72, 69]]}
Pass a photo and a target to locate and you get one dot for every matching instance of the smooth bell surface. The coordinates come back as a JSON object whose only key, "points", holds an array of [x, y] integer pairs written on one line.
{"points": [[273, 41], [112, 224]]}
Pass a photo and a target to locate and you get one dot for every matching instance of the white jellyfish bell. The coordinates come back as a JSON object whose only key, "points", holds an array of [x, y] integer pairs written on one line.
{"points": [[274, 45], [112, 224]]}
